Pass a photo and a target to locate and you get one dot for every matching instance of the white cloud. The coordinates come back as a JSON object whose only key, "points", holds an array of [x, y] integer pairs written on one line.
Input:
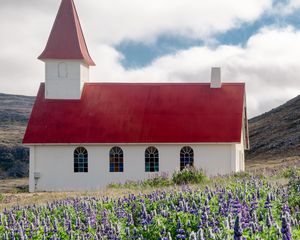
{"points": [[294, 4], [117, 20]]}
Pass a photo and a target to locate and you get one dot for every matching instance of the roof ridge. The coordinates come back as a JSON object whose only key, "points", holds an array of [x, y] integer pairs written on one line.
{"points": [[80, 34], [162, 83]]}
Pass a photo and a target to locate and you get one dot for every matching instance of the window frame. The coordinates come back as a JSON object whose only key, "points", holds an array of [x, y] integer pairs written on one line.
{"points": [[116, 159], [151, 159], [186, 157], [62, 70], [80, 160]]}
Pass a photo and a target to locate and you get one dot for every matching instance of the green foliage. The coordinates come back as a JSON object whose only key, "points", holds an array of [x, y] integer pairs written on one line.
{"points": [[6, 160], [157, 181], [290, 172], [154, 181], [242, 175], [293, 173], [13, 161], [1, 197], [188, 175], [294, 191]]}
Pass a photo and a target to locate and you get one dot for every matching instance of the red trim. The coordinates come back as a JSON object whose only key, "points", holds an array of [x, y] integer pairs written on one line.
{"points": [[66, 40], [140, 113]]}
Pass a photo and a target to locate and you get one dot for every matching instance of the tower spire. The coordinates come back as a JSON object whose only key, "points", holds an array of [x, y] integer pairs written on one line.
{"points": [[66, 40]]}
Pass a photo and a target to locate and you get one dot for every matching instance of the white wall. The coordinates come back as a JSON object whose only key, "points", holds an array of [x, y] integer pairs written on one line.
{"points": [[239, 158], [55, 164], [32, 169], [65, 79], [240, 151]]}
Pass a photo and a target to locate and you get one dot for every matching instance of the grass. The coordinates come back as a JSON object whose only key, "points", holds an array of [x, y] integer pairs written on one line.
{"points": [[15, 191], [263, 164], [10, 200], [19, 185]]}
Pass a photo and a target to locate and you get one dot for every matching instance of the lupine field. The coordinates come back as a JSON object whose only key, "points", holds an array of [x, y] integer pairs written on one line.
{"points": [[244, 207]]}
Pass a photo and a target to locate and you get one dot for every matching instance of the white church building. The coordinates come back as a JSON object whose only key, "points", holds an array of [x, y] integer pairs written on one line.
{"points": [[84, 135]]}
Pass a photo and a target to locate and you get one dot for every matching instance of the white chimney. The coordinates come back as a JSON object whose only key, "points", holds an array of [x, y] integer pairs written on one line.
{"points": [[215, 77]]}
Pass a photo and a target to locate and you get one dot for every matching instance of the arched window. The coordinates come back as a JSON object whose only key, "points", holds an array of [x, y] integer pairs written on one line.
{"points": [[151, 160], [80, 160], [186, 157], [62, 70], [116, 160]]}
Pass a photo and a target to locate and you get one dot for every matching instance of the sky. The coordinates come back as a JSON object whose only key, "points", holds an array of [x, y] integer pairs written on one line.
{"points": [[253, 41]]}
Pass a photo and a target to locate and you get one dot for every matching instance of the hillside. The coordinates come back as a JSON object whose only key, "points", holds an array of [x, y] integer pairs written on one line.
{"points": [[276, 134], [273, 135], [14, 114]]}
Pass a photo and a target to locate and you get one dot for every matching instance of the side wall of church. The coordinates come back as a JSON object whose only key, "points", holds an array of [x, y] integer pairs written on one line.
{"points": [[52, 167]]}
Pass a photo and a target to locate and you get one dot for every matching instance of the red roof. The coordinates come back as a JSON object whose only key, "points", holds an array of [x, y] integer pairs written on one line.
{"points": [[140, 113], [66, 40]]}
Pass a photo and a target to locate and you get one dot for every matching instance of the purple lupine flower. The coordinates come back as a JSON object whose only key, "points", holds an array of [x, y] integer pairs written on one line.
{"points": [[258, 193], [163, 232], [238, 231], [130, 220], [253, 227], [261, 217], [211, 235], [268, 201], [278, 231], [285, 209], [135, 234], [200, 234], [20, 231], [127, 232], [189, 223], [5, 236], [285, 229], [180, 233], [55, 227], [192, 236], [268, 221], [254, 203]]}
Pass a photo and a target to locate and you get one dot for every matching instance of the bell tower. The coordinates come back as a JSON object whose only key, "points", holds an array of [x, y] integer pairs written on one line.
{"points": [[66, 56]]}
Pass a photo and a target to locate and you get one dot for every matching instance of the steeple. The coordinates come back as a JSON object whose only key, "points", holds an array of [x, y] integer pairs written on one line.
{"points": [[67, 59], [66, 40]]}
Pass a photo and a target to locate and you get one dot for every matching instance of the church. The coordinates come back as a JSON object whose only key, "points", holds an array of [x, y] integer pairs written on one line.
{"points": [[84, 135]]}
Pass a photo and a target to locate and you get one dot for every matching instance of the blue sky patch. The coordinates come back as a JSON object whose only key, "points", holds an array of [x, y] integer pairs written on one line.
{"points": [[139, 54]]}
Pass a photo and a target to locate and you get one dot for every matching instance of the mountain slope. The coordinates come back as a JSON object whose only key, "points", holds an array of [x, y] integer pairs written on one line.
{"points": [[276, 134], [14, 115]]}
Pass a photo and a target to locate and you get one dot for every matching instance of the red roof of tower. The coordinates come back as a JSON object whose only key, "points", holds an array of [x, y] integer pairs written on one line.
{"points": [[115, 113], [66, 40]]}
